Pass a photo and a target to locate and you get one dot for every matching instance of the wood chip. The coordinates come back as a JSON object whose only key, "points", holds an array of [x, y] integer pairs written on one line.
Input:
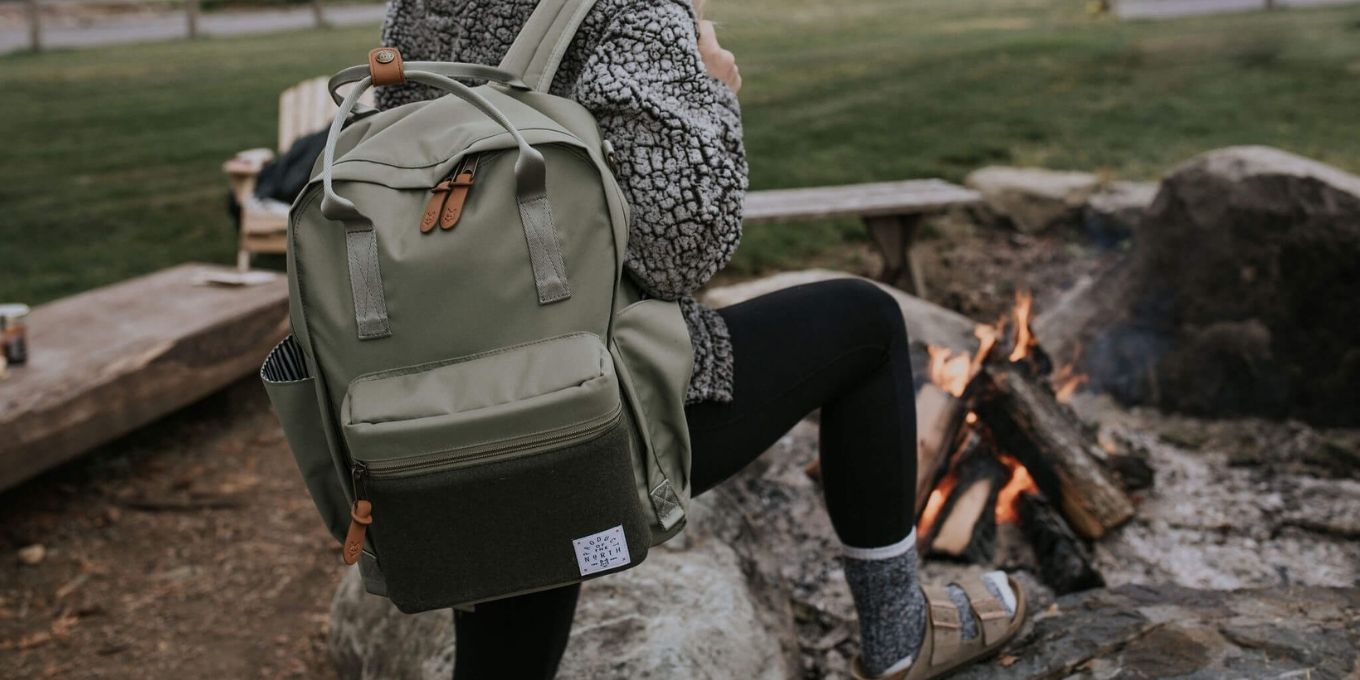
{"points": [[71, 586], [32, 555]]}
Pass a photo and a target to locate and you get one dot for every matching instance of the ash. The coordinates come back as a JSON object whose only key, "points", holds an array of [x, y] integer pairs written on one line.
{"points": [[1234, 504]]}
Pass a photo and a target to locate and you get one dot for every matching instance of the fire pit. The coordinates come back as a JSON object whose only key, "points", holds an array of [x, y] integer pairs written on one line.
{"points": [[1002, 460]]}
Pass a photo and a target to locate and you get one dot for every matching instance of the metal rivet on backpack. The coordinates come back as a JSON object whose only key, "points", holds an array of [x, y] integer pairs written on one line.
{"points": [[385, 57]]}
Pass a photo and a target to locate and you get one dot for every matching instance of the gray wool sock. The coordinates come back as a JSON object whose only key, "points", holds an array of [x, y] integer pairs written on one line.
{"points": [[888, 601], [892, 609]]}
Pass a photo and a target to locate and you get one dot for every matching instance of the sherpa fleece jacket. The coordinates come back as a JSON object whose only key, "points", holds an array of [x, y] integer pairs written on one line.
{"points": [[676, 132]]}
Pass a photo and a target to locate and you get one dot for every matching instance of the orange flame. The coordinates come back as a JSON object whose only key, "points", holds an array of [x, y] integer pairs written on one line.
{"points": [[934, 504], [1007, 508], [951, 371], [1066, 382], [1024, 339], [986, 336]]}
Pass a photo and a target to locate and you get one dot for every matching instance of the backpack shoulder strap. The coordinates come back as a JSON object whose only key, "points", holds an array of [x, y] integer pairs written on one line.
{"points": [[541, 44]]}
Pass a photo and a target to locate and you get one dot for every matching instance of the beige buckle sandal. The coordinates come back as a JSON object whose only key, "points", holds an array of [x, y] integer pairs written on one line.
{"points": [[943, 649]]}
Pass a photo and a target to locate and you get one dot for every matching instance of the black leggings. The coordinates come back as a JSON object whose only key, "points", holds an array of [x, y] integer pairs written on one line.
{"points": [[836, 345]]}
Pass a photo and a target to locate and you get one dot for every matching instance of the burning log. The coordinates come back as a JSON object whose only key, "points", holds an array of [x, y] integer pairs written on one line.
{"points": [[1064, 562], [965, 526], [938, 416], [1027, 422]]}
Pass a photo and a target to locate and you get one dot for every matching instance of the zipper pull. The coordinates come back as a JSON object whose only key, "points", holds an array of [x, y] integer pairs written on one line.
{"points": [[439, 194], [460, 185], [360, 516]]}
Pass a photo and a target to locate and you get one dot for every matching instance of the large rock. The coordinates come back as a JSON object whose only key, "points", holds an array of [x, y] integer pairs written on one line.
{"points": [[1242, 295], [686, 613], [718, 604], [1164, 631], [1113, 213], [1034, 199]]}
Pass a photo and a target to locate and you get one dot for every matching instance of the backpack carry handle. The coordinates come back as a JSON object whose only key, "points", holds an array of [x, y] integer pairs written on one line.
{"points": [[530, 173], [447, 69], [531, 198]]}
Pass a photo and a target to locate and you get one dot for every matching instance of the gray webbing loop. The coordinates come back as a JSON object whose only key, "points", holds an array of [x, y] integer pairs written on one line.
{"points": [[450, 69], [531, 197], [541, 44], [365, 280]]}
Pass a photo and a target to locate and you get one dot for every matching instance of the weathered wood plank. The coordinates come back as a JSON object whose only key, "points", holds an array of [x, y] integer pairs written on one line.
{"points": [[107, 361], [907, 197]]}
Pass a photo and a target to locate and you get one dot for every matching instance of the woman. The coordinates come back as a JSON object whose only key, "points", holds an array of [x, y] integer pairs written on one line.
{"points": [[664, 93]]}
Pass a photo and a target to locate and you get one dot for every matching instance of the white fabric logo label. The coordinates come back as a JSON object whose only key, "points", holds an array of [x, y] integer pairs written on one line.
{"points": [[604, 550]]}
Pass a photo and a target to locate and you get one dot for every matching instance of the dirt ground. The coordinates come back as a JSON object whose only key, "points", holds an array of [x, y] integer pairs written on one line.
{"points": [[187, 550], [191, 550]]}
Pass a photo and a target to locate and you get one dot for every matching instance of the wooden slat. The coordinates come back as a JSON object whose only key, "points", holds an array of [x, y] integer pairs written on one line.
{"points": [[286, 118], [307, 107], [907, 197], [107, 361]]}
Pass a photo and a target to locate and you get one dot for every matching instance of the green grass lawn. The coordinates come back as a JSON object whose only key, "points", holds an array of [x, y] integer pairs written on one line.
{"points": [[110, 163]]}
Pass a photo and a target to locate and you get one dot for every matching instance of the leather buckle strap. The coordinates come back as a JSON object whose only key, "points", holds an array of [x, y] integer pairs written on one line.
{"points": [[991, 615], [945, 623], [385, 66]]}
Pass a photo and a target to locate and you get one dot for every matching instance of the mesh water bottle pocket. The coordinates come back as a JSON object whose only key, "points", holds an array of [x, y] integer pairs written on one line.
{"points": [[292, 390]]}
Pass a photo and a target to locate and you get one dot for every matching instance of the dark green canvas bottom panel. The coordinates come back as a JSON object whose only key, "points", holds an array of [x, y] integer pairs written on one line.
{"points": [[529, 512]]}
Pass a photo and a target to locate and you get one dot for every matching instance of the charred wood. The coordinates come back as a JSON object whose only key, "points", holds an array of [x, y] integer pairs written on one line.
{"points": [[1064, 561], [1027, 422], [1134, 471]]}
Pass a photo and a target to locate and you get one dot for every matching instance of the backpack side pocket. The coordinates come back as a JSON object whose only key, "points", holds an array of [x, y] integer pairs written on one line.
{"points": [[292, 390], [656, 358]]}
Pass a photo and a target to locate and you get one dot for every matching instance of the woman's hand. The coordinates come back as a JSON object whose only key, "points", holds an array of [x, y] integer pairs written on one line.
{"points": [[721, 64]]}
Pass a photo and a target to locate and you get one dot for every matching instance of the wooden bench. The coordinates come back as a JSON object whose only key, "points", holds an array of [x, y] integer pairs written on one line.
{"points": [[107, 361], [890, 210]]}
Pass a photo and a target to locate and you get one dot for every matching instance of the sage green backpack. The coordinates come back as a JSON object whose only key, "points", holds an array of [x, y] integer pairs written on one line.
{"points": [[480, 402]]}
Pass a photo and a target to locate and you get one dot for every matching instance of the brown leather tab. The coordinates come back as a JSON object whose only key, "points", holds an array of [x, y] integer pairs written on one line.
{"points": [[453, 208], [360, 517], [385, 66], [438, 196]]}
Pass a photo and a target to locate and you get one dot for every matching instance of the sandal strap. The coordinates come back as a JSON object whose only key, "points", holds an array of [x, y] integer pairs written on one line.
{"points": [[990, 613], [946, 626]]}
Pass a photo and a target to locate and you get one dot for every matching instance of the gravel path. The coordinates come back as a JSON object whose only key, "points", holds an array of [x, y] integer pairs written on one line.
{"points": [[1168, 9], [145, 27]]}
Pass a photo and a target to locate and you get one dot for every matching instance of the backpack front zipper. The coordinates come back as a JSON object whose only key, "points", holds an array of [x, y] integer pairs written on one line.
{"points": [[361, 515], [448, 196]]}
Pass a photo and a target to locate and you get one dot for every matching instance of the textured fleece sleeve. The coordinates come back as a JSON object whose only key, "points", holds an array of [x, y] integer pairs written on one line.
{"points": [[677, 134], [410, 29]]}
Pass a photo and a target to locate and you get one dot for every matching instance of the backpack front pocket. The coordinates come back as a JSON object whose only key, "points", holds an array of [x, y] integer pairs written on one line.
{"points": [[495, 474]]}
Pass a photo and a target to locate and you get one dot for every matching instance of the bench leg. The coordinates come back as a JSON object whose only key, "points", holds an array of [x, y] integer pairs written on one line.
{"points": [[893, 234]]}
